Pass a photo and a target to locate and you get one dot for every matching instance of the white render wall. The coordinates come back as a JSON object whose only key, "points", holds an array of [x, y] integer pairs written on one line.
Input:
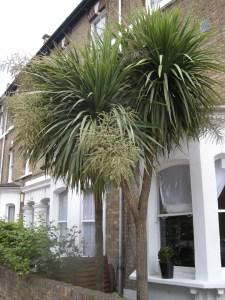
{"points": [[9, 196], [43, 188]]}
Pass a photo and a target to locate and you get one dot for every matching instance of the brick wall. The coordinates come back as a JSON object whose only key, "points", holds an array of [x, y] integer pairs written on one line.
{"points": [[12, 287]]}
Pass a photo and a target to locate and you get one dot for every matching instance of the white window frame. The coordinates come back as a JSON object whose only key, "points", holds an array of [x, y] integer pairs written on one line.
{"points": [[95, 21], [163, 3], [179, 271], [83, 220], [62, 221], [157, 4]]}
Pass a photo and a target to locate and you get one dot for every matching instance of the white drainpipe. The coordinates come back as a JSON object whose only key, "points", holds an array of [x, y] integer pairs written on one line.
{"points": [[3, 147], [120, 263], [120, 11]]}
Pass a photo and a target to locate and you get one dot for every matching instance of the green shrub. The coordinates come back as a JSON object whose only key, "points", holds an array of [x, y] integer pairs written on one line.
{"points": [[33, 250]]}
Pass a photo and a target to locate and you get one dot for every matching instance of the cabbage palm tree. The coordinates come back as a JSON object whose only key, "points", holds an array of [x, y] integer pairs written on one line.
{"points": [[176, 95], [84, 99], [65, 100]]}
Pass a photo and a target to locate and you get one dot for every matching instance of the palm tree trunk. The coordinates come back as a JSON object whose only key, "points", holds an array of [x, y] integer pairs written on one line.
{"points": [[99, 243], [141, 259], [141, 237], [138, 204]]}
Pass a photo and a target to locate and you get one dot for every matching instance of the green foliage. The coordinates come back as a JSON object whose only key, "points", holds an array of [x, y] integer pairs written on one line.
{"points": [[163, 76], [69, 91], [166, 255], [34, 250], [176, 82]]}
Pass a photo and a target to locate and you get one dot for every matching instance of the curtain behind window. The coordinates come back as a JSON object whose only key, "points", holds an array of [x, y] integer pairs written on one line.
{"points": [[220, 177], [175, 189]]}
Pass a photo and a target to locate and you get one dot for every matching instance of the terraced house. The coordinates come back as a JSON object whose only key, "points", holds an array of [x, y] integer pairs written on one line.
{"points": [[187, 200]]}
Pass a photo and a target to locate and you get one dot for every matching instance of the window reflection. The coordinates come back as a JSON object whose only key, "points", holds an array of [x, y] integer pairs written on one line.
{"points": [[177, 232]]}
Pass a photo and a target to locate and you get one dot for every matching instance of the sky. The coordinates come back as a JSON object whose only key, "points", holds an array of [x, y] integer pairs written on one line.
{"points": [[24, 22]]}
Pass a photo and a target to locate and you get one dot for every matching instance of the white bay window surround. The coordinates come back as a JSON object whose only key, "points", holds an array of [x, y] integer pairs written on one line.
{"points": [[205, 211], [191, 226], [88, 224]]}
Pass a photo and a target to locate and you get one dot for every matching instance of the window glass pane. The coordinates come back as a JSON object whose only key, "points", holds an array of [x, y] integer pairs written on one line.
{"points": [[89, 238], [177, 232], [222, 237], [175, 189], [98, 25], [11, 213], [221, 199], [63, 204], [88, 207], [220, 183]]}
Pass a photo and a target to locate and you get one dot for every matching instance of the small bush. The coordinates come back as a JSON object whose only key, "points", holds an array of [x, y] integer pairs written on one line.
{"points": [[33, 250]]}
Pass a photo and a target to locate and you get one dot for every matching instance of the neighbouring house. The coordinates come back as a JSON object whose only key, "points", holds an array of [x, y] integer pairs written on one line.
{"points": [[187, 200]]}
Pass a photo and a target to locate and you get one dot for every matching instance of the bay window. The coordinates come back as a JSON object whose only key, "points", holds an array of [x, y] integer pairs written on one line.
{"points": [[220, 182], [88, 224], [176, 221]]}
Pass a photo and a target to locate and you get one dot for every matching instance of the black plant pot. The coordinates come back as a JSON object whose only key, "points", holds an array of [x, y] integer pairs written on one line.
{"points": [[167, 270]]}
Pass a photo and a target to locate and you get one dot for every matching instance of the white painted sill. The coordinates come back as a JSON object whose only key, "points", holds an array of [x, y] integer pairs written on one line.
{"points": [[184, 282], [26, 175], [166, 3], [6, 132]]}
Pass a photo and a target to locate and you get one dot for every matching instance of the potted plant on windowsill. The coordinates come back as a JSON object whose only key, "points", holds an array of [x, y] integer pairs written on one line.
{"points": [[165, 256]]}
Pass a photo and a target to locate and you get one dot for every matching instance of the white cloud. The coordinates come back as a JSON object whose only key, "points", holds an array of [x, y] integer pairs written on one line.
{"points": [[24, 22]]}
